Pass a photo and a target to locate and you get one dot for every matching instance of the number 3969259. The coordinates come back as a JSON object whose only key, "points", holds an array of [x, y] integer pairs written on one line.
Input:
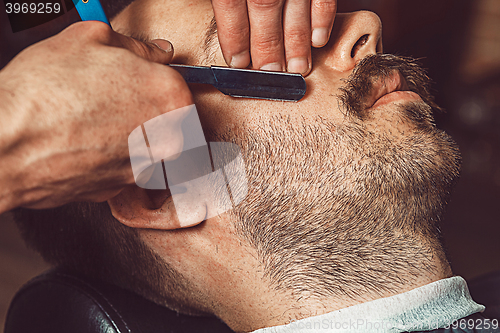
{"points": [[33, 8]]}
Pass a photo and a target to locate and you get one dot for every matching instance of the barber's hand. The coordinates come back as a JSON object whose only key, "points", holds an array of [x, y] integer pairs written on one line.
{"points": [[69, 105], [276, 34]]}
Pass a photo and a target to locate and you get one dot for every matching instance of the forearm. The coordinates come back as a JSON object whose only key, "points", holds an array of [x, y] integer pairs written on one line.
{"points": [[11, 130]]}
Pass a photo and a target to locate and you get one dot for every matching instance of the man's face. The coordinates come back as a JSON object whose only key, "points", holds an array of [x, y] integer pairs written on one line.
{"points": [[336, 179], [190, 27], [187, 23]]}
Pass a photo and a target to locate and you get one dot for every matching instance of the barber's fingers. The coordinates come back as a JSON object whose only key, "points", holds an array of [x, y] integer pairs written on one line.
{"points": [[266, 34], [297, 33], [322, 17], [158, 50], [233, 31]]}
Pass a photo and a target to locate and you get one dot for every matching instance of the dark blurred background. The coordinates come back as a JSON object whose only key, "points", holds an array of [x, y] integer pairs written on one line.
{"points": [[458, 41]]}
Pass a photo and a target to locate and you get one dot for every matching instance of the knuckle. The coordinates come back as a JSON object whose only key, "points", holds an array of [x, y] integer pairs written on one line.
{"points": [[236, 32], [185, 95], [226, 5], [266, 4], [324, 6], [92, 30], [167, 89], [181, 90], [297, 36], [267, 43]]}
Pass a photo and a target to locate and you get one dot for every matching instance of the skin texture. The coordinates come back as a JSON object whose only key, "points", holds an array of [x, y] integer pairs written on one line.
{"points": [[58, 145], [345, 187], [324, 178], [273, 34], [39, 168]]}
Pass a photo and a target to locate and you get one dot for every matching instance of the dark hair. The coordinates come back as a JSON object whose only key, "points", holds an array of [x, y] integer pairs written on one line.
{"points": [[85, 238]]}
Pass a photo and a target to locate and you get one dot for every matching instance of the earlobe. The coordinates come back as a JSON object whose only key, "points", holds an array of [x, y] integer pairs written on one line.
{"points": [[136, 207]]}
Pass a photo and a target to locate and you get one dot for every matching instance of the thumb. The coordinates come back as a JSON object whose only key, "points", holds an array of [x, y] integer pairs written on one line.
{"points": [[159, 50]]}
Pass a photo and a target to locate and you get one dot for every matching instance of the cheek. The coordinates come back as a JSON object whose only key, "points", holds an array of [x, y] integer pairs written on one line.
{"points": [[219, 113], [213, 108]]}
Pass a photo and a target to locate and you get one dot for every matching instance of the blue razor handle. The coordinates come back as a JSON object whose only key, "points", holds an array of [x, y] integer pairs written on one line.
{"points": [[91, 10]]}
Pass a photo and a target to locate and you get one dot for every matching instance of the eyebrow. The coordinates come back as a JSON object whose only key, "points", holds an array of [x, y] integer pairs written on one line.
{"points": [[211, 43]]}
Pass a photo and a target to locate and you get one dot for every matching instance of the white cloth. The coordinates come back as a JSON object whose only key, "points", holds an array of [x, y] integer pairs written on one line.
{"points": [[432, 306]]}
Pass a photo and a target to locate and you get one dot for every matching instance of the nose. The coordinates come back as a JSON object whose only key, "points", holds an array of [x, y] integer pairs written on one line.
{"points": [[354, 36]]}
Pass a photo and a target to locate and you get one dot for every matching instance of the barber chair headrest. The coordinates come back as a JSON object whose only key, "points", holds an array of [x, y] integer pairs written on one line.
{"points": [[485, 290], [61, 302]]}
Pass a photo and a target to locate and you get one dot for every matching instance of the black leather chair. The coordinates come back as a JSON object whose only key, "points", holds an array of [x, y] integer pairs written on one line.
{"points": [[485, 290], [61, 302]]}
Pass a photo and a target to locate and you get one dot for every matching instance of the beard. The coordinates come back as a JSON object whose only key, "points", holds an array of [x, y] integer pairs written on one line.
{"points": [[339, 209], [358, 87], [332, 209]]}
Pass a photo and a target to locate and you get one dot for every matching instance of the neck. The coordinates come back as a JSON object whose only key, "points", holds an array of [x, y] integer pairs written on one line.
{"points": [[246, 300], [265, 307], [228, 279]]}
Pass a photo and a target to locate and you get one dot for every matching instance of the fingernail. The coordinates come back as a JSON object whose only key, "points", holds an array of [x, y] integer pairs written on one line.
{"points": [[319, 37], [240, 60], [298, 65], [275, 67], [165, 45]]}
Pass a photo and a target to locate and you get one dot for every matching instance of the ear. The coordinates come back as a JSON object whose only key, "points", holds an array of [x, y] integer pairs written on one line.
{"points": [[196, 190], [151, 209]]}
